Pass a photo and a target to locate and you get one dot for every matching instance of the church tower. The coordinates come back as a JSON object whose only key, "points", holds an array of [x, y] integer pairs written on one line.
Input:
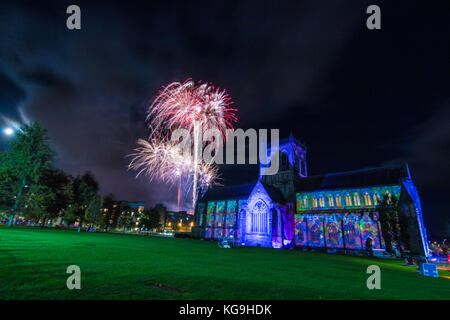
{"points": [[292, 166]]}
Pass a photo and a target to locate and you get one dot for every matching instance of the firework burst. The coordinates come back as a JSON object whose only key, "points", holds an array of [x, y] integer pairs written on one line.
{"points": [[163, 161], [185, 105], [196, 108]]}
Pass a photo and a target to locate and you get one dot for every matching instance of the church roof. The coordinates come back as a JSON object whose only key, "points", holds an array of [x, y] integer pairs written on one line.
{"points": [[353, 179], [274, 193], [241, 191]]}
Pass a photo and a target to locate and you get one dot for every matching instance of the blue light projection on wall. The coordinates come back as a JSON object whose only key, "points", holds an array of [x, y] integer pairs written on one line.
{"points": [[210, 215], [301, 231], [343, 227], [315, 228], [338, 231], [353, 198], [352, 235], [333, 231], [369, 229], [221, 219]]}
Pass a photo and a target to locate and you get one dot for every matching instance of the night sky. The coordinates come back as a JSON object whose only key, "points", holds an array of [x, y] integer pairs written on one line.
{"points": [[357, 98]]}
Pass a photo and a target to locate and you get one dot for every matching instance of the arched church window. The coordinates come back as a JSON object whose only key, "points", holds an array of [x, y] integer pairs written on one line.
{"points": [[259, 217], [376, 199], [356, 199], [305, 202], [314, 202], [322, 201], [299, 203], [338, 201], [348, 200], [330, 200], [367, 200]]}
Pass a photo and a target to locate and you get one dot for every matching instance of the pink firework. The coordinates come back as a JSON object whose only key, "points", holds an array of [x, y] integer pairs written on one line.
{"points": [[185, 105], [163, 161], [196, 108]]}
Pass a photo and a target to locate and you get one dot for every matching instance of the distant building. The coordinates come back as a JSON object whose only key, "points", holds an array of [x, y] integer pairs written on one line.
{"points": [[179, 221], [136, 206], [136, 209], [174, 220]]}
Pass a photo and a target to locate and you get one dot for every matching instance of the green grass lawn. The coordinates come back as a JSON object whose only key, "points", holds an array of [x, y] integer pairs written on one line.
{"points": [[33, 264]]}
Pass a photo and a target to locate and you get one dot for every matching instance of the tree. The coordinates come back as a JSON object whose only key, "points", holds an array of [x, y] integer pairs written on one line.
{"points": [[393, 224], [23, 164], [125, 219], [69, 215], [59, 184], [111, 212], [85, 189], [6, 197], [149, 219], [93, 212], [36, 203]]}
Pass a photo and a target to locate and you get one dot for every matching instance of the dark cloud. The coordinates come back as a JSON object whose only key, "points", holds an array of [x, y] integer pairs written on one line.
{"points": [[357, 98]]}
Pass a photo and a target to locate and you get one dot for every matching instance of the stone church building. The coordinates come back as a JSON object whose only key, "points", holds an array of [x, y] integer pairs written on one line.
{"points": [[333, 212]]}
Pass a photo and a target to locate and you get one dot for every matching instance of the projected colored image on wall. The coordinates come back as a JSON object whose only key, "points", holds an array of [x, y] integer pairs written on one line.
{"points": [[210, 213], [369, 232], [230, 233], [351, 232], [315, 226], [301, 236], [218, 233], [220, 214], [231, 214], [333, 231], [208, 233]]}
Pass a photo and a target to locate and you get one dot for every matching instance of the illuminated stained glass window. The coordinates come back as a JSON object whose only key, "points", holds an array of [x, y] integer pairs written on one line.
{"points": [[376, 199], [348, 200], [356, 199], [305, 202], [299, 203], [322, 201], [338, 201], [314, 202], [330, 201], [367, 200]]}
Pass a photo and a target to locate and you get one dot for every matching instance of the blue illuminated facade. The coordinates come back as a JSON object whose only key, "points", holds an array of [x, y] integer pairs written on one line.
{"points": [[333, 212]]}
